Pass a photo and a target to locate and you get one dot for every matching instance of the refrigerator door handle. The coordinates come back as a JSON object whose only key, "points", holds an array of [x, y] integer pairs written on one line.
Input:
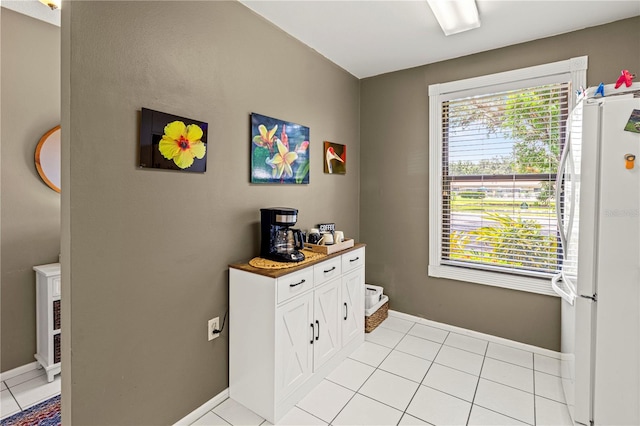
{"points": [[571, 285], [559, 177], [568, 296]]}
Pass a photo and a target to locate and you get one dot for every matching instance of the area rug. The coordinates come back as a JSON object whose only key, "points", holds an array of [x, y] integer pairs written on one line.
{"points": [[46, 413]]}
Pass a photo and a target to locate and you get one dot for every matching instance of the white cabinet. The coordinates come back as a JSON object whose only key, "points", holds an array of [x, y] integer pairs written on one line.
{"points": [[352, 305], [307, 336], [295, 355], [48, 318], [289, 330], [326, 325]]}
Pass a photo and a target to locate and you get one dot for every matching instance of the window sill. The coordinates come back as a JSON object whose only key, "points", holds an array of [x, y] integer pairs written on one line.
{"points": [[495, 279]]}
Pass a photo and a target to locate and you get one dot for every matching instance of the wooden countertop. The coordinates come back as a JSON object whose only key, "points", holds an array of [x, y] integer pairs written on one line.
{"points": [[276, 273]]}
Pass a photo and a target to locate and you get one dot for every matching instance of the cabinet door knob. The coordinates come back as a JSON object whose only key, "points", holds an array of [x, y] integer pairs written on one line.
{"points": [[329, 270], [353, 260], [346, 311], [312, 333], [318, 335]]}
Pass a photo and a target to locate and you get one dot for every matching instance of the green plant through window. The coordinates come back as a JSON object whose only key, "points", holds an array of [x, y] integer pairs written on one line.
{"points": [[511, 241]]}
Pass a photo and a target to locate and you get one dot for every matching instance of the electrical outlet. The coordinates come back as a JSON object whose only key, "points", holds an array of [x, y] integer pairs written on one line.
{"points": [[213, 324]]}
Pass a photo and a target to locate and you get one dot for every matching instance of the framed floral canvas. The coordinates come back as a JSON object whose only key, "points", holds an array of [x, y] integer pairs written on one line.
{"points": [[171, 142], [335, 158], [279, 151]]}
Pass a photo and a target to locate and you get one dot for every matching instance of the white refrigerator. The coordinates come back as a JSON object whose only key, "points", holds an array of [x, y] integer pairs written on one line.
{"points": [[600, 280]]}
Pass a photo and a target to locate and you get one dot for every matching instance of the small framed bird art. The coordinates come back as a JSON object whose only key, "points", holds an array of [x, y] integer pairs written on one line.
{"points": [[335, 158]]}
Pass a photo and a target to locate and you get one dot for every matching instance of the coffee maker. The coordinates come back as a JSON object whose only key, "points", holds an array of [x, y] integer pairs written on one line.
{"points": [[279, 241]]}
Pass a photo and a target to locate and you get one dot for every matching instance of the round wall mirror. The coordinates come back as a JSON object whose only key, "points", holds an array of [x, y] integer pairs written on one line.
{"points": [[48, 158]]}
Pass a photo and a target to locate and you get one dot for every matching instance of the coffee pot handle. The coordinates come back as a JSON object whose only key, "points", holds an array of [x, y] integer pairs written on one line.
{"points": [[297, 239]]}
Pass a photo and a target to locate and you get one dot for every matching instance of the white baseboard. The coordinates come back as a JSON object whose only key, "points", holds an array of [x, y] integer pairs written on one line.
{"points": [[477, 334], [10, 374], [203, 409]]}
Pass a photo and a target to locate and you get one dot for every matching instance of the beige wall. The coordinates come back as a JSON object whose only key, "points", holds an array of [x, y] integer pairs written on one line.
{"points": [[30, 211], [394, 183], [149, 249]]}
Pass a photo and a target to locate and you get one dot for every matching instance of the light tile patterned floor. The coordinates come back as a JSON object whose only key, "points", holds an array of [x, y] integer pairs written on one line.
{"points": [[25, 390], [410, 373], [406, 373]]}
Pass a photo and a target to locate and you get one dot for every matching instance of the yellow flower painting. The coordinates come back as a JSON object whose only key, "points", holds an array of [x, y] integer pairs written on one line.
{"points": [[182, 143], [282, 161], [171, 142], [266, 137], [279, 151]]}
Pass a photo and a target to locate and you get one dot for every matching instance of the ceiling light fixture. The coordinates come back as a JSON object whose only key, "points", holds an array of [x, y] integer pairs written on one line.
{"points": [[53, 4], [455, 16]]}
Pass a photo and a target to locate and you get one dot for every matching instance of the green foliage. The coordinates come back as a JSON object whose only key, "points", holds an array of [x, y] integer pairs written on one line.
{"points": [[478, 195], [302, 172], [512, 241], [533, 120], [546, 194], [458, 247], [494, 166]]}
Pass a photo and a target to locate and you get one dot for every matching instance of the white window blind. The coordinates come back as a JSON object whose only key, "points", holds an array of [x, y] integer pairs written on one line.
{"points": [[494, 145], [500, 155]]}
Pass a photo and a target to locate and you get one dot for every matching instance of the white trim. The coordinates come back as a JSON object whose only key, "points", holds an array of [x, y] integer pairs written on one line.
{"points": [[555, 68], [10, 374], [578, 76], [573, 69], [508, 86], [435, 181], [478, 335], [203, 409], [495, 279]]}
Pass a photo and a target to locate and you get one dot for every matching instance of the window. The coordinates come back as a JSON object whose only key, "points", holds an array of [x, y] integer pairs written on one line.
{"points": [[495, 144]]}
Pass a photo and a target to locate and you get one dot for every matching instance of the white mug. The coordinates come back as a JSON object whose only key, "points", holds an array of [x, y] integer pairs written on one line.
{"points": [[327, 239], [338, 237]]}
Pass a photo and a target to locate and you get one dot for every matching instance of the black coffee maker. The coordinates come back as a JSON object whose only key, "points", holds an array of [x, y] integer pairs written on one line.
{"points": [[279, 241]]}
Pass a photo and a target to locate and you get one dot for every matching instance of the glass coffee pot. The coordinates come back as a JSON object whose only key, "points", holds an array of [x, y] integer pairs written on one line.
{"points": [[279, 241], [287, 240]]}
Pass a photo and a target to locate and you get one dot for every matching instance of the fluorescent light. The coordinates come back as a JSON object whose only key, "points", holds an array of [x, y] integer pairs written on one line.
{"points": [[455, 16], [53, 4]]}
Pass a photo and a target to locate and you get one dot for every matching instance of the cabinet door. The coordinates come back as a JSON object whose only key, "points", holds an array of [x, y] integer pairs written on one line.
{"points": [[327, 322], [294, 350], [352, 318]]}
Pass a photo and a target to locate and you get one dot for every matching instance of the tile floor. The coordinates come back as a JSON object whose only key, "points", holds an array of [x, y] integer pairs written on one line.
{"points": [[26, 390], [406, 373], [409, 373]]}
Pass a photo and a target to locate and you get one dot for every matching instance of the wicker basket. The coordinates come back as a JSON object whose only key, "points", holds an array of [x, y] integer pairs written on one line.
{"points": [[374, 320]]}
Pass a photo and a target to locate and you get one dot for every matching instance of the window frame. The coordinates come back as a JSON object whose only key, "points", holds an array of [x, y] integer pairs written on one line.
{"points": [[573, 70]]}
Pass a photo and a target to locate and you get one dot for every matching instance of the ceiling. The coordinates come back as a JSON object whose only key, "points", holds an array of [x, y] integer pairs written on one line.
{"points": [[33, 8], [371, 37]]}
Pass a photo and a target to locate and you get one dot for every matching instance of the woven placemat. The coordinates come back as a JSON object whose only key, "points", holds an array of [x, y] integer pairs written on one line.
{"points": [[309, 256]]}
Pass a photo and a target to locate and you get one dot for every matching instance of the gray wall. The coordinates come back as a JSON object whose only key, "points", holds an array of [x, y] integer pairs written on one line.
{"points": [[394, 183], [145, 252], [30, 210]]}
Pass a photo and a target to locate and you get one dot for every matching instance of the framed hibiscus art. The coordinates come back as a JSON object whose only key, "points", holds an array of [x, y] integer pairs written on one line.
{"points": [[171, 142], [279, 151]]}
